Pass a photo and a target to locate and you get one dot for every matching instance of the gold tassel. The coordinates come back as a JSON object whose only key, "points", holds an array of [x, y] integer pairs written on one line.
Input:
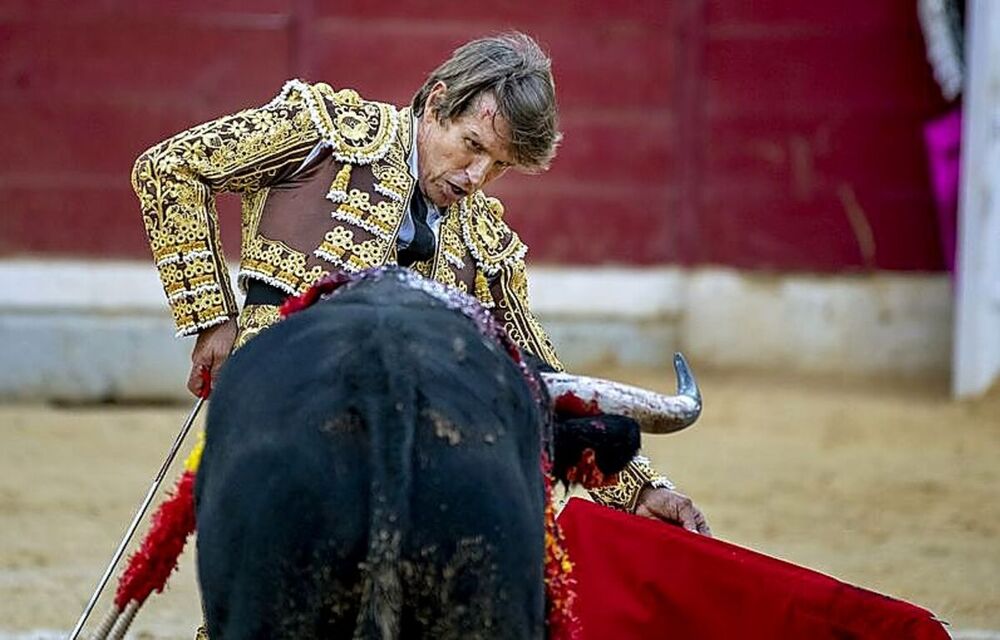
{"points": [[342, 180], [482, 288]]}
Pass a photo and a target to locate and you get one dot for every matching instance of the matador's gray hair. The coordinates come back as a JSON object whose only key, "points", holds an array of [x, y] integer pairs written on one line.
{"points": [[518, 73]]}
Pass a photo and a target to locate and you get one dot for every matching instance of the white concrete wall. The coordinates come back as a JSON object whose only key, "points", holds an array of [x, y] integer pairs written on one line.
{"points": [[87, 331], [84, 331], [977, 323], [882, 324]]}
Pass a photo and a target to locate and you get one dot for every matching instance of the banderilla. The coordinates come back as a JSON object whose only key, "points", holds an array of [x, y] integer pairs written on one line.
{"points": [[206, 388]]}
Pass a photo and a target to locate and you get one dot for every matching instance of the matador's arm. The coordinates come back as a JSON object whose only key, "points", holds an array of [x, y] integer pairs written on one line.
{"points": [[510, 296], [177, 180], [513, 311], [509, 293]]}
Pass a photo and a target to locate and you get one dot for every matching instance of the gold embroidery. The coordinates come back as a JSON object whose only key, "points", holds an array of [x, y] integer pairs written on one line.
{"points": [[636, 475], [343, 178], [254, 318], [380, 219], [491, 242], [405, 135], [512, 310], [359, 131], [483, 290], [488, 232], [338, 188], [500, 280], [253, 207], [340, 249], [206, 310], [447, 276], [359, 213], [392, 181], [450, 250], [278, 265], [366, 130], [423, 267], [352, 127], [272, 262], [495, 207], [176, 182]]}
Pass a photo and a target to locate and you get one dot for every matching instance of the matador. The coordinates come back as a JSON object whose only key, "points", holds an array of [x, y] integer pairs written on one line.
{"points": [[332, 181]]}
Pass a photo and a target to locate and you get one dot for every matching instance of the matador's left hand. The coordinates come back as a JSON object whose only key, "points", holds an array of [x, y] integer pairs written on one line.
{"points": [[673, 507]]}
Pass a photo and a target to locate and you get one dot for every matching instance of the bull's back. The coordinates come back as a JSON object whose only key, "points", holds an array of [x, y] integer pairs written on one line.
{"points": [[372, 462]]}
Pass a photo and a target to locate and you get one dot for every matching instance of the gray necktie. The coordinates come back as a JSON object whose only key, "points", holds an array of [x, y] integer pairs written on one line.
{"points": [[421, 247]]}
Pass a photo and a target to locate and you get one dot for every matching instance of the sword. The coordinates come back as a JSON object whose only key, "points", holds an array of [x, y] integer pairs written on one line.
{"points": [[206, 388]]}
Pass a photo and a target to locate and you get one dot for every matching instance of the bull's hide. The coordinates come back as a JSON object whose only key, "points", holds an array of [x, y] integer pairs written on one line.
{"points": [[372, 471]]}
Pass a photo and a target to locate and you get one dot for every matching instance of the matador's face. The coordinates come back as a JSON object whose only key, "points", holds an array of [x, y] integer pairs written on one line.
{"points": [[463, 154]]}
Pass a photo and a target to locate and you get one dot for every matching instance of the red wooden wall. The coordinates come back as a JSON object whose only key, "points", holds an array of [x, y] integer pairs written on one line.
{"points": [[738, 132]]}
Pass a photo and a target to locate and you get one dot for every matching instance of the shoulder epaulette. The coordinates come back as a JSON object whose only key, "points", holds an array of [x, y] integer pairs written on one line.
{"points": [[492, 243], [358, 131]]}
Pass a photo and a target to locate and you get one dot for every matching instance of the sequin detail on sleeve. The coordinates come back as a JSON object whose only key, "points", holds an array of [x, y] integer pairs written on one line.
{"points": [[176, 182]]}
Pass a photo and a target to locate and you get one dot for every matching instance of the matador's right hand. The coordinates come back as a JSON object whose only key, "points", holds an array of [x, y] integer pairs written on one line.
{"points": [[210, 350]]}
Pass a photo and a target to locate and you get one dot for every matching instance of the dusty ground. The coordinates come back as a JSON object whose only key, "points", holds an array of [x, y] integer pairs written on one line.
{"points": [[894, 488]]}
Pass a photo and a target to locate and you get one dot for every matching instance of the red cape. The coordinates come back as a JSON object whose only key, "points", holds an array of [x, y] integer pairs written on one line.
{"points": [[639, 578]]}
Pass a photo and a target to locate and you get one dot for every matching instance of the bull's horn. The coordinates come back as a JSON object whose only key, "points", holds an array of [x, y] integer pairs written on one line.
{"points": [[655, 412]]}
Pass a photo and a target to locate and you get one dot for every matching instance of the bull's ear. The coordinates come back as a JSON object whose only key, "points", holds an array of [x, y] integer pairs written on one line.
{"points": [[588, 474], [613, 439]]}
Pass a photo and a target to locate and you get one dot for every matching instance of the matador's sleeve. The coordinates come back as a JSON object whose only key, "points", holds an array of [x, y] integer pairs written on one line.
{"points": [[636, 475], [510, 296], [177, 180], [501, 281]]}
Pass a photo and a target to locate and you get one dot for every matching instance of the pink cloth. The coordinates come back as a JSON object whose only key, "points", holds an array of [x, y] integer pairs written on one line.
{"points": [[944, 137]]}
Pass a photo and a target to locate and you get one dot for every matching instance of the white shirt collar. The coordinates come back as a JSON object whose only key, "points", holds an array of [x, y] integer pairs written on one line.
{"points": [[412, 160]]}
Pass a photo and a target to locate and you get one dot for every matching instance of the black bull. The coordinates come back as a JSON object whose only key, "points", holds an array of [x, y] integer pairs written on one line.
{"points": [[372, 470]]}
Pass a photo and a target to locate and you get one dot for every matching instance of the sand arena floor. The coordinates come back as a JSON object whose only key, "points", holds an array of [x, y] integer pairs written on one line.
{"points": [[891, 486]]}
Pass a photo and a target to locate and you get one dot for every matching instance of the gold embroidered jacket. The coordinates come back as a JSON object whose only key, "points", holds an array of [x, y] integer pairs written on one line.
{"points": [[307, 213], [324, 182]]}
